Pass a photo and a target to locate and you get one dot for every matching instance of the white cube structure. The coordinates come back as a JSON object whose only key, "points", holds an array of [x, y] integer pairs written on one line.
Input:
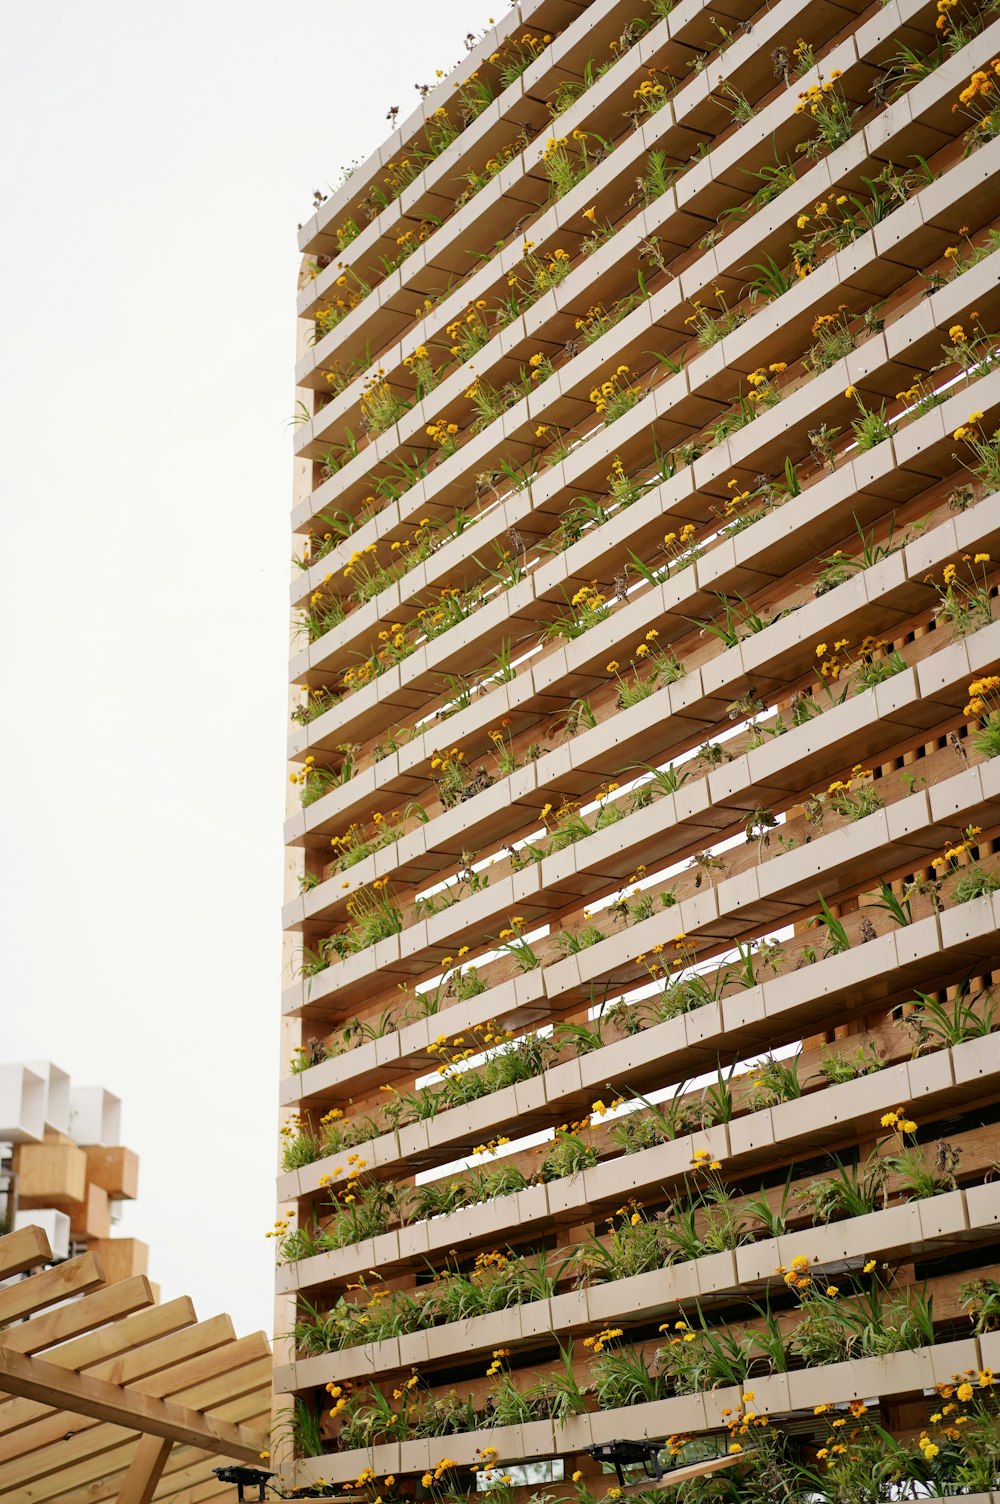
{"points": [[54, 1223], [22, 1105], [57, 1089], [94, 1115]]}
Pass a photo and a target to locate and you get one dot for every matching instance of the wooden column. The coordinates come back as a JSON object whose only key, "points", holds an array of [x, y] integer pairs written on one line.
{"points": [[146, 1470]]}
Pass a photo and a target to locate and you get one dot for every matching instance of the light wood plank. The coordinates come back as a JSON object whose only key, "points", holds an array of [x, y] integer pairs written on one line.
{"points": [[105, 1305], [148, 1462], [74, 1277], [96, 1480], [694, 1470], [34, 1378], [121, 1368], [24, 1249], [205, 1381]]}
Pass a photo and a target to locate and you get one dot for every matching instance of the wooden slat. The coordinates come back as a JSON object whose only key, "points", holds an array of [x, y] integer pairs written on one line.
{"points": [[205, 1337], [247, 1378], [694, 1470], [64, 1476], [105, 1305], [119, 1368], [97, 1479], [146, 1470], [24, 1249], [79, 1441], [74, 1277], [206, 1380], [34, 1378], [123, 1336]]}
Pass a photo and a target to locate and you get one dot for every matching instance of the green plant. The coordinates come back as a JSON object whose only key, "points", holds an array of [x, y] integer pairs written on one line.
{"points": [[616, 395], [300, 1426], [852, 1190], [588, 606], [774, 1081], [870, 428], [698, 1357], [837, 1066], [710, 327], [513, 943], [655, 179], [620, 1378], [735, 102], [984, 707], [936, 1025], [978, 99], [569, 1153], [566, 160], [966, 597], [833, 115]]}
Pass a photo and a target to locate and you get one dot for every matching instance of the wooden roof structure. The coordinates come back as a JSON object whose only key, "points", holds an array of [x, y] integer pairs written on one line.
{"points": [[107, 1396]]}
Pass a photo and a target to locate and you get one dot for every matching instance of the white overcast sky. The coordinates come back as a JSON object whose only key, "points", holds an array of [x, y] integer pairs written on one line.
{"points": [[156, 160]]}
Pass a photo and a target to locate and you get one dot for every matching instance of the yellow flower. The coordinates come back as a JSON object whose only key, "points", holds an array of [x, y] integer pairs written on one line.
{"points": [[613, 666], [849, 391], [590, 213], [869, 1266]]}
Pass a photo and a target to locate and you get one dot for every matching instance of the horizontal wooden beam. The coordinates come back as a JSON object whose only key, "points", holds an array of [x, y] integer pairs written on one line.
{"points": [[48, 1384], [74, 1277], [127, 1338], [162, 1357], [24, 1249]]}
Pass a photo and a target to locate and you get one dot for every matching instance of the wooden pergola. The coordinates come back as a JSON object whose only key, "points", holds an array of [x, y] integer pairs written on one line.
{"points": [[105, 1395]]}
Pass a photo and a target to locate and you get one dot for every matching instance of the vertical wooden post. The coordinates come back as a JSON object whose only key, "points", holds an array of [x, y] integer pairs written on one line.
{"points": [[146, 1470]]}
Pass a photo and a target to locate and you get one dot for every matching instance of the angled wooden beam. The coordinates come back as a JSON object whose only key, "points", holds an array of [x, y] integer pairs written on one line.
{"points": [[148, 1462], [74, 1277], [120, 1368], [75, 1443], [97, 1479], [136, 1332], [120, 1337], [206, 1379], [199, 1491], [24, 1249], [209, 1336], [107, 1304], [34, 1378], [245, 1378], [194, 1373]]}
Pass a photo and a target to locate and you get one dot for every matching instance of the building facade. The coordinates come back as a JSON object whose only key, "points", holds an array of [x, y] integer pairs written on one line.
{"points": [[644, 1070]]}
